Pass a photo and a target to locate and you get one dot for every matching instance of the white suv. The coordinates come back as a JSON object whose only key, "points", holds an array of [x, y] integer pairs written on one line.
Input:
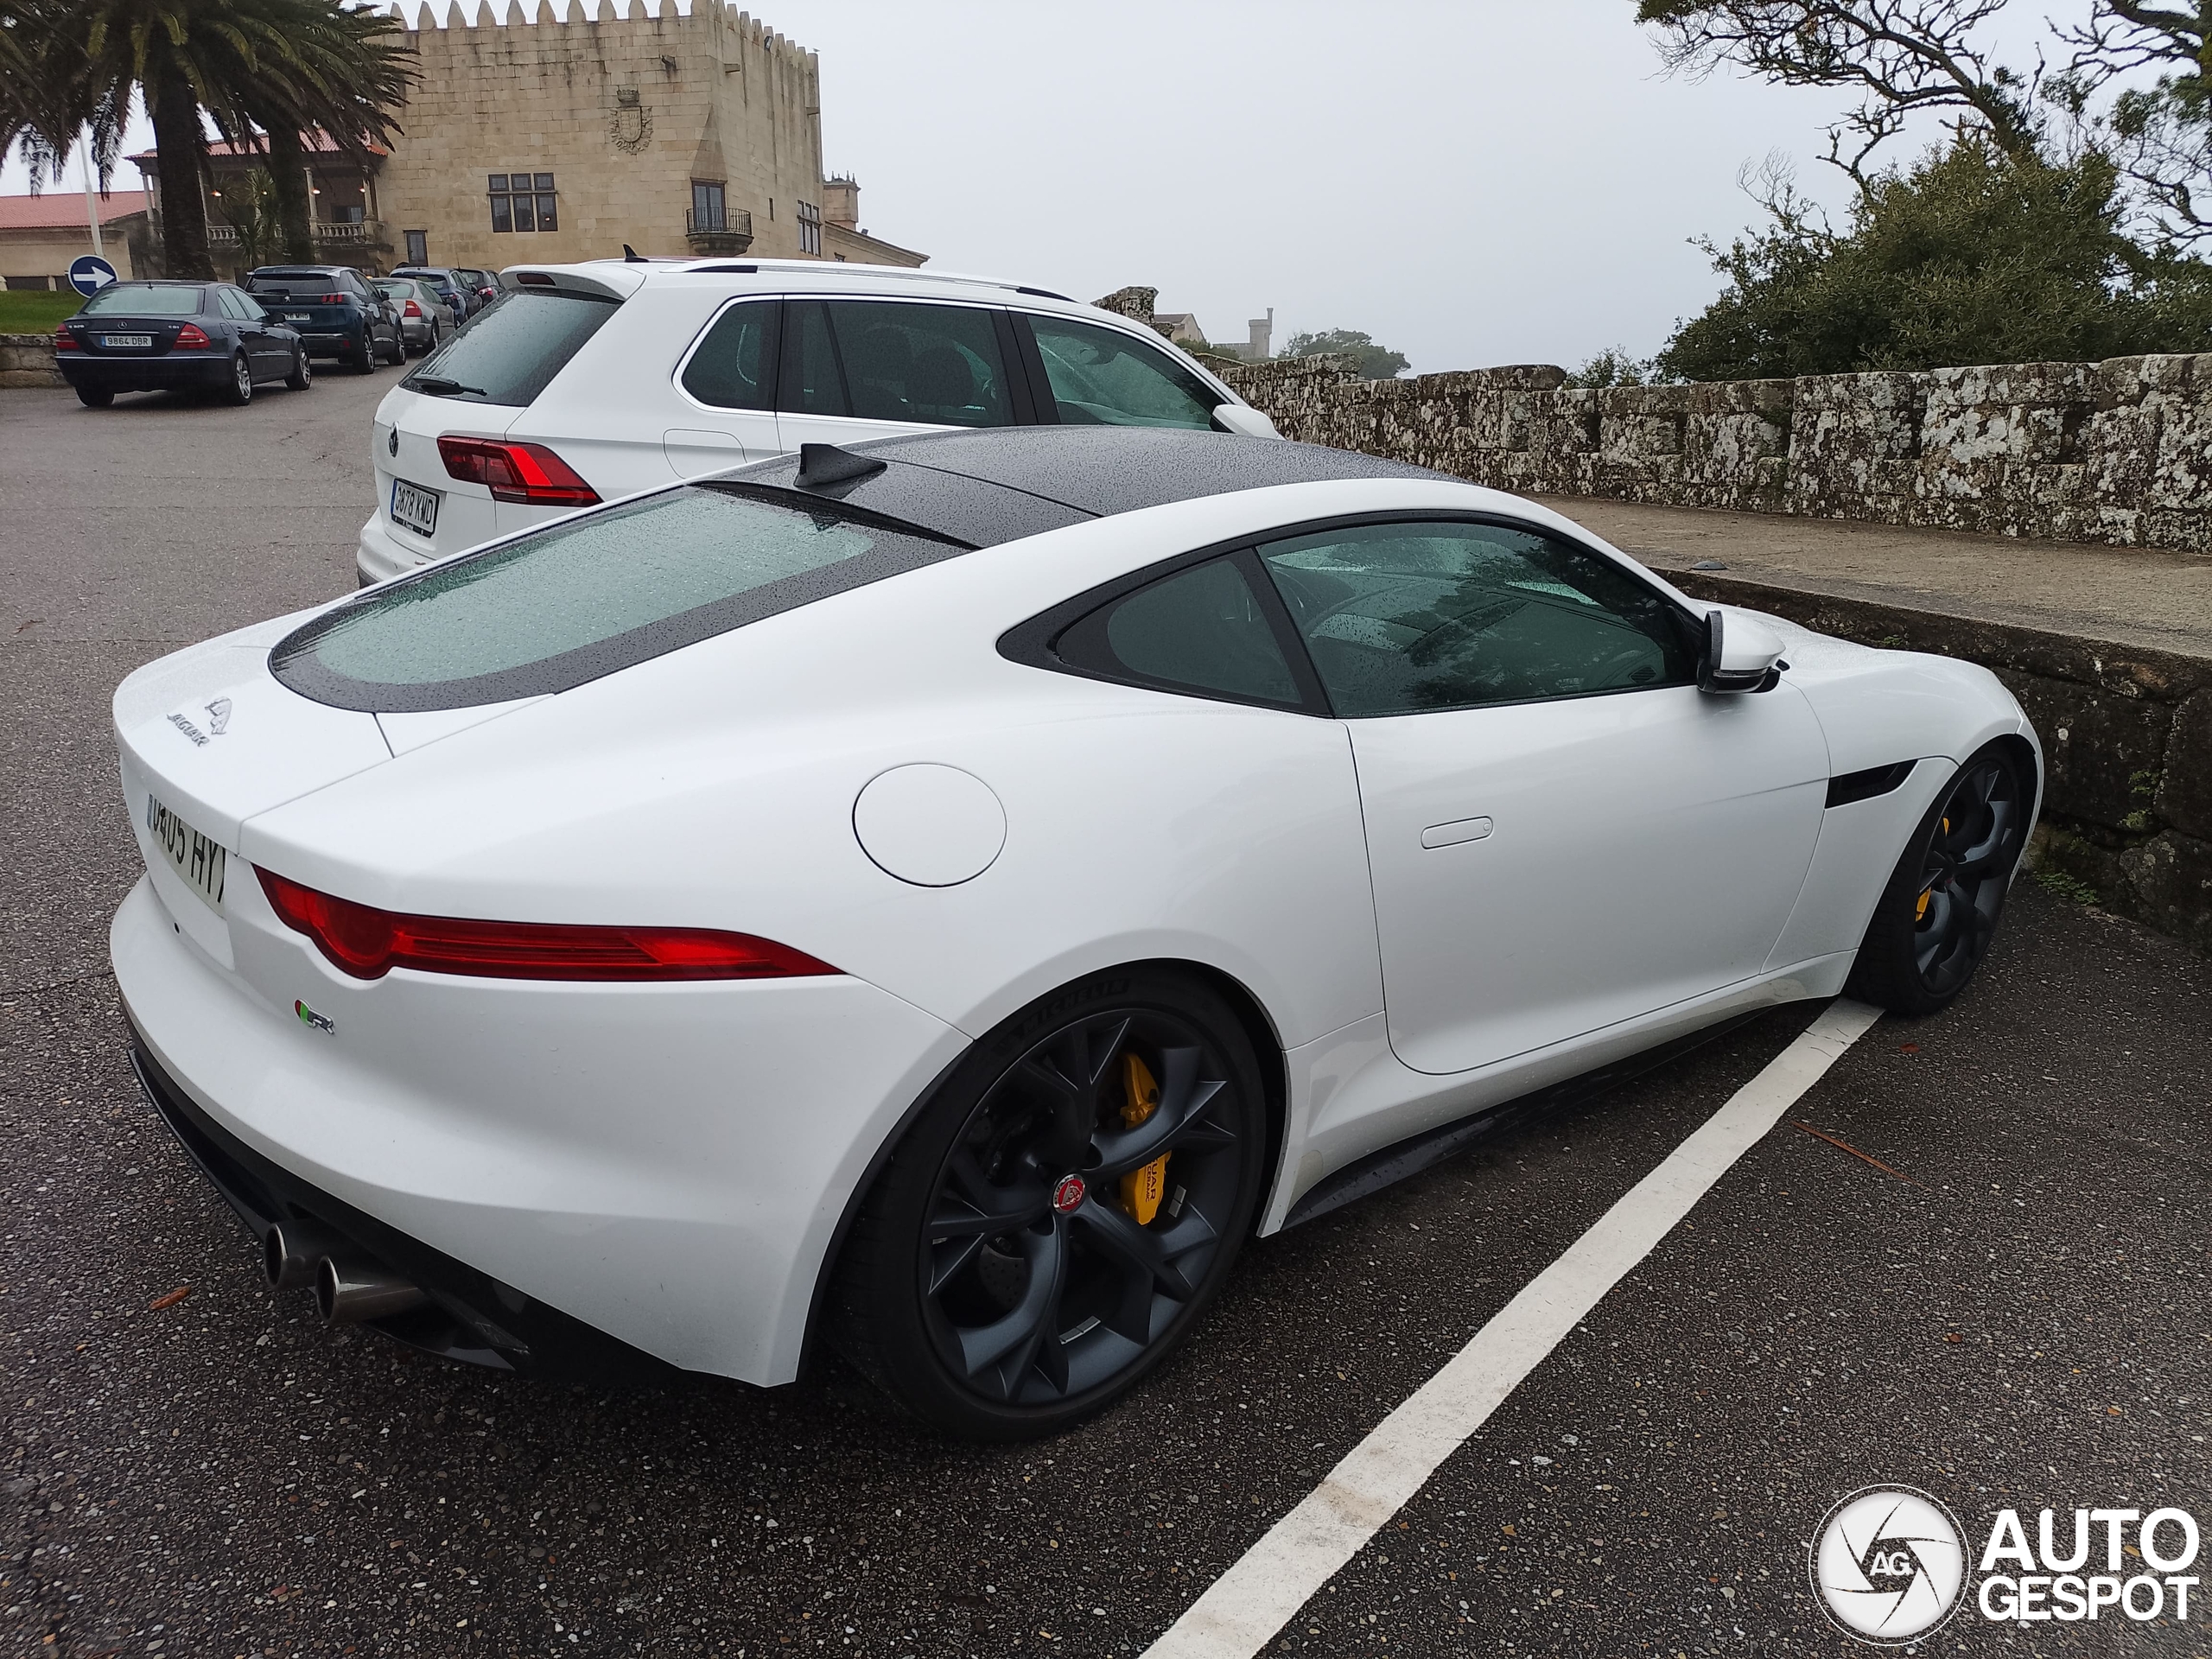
{"points": [[583, 383]]}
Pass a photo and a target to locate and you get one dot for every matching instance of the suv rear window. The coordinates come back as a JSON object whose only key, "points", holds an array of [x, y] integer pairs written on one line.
{"points": [[577, 600], [510, 350]]}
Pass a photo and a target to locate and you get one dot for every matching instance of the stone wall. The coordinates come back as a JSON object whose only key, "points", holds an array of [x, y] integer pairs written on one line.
{"points": [[27, 360], [2118, 451]]}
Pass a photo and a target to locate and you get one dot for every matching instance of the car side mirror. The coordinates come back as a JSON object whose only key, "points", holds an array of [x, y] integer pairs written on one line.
{"points": [[1745, 655], [1244, 420]]}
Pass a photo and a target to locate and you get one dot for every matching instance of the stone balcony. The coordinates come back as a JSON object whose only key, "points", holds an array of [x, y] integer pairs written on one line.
{"points": [[733, 234]]}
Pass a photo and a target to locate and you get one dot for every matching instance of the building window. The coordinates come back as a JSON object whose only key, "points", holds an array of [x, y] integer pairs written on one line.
{"points": [[709, 209], [524, 201], [810, 228], [418, 247]]}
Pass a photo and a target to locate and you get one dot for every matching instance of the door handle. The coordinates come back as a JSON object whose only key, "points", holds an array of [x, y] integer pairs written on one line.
{"points": [[1450, 834]]}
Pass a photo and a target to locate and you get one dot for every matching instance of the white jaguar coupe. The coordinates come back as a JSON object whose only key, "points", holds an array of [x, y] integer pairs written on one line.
{"points": [[940, 898]]}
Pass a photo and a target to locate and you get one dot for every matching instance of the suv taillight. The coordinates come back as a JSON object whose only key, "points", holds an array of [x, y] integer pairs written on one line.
{"points": [[330, 299], [189, 338], [516, 472]]}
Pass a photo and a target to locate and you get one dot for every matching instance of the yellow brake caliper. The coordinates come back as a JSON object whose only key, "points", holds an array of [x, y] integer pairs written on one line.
{"points": [[1142, 1189], [1926, 893]]}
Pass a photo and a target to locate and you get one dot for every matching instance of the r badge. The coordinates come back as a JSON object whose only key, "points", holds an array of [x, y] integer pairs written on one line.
{"points": [[310, 1017]]}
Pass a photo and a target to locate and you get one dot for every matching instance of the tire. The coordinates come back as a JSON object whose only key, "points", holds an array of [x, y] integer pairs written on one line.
{"points": [[1017, 1332], [1935, 920], [301, 376], [95, 397], [398, 350], [364, 356], [239, 391]]}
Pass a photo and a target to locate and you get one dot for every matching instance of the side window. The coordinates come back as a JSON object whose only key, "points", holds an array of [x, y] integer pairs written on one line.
{"points": [[935, 363], [1400, 619], [1101, 376], [1200, 630], [232, 304], [734, 366], [811, 383]]}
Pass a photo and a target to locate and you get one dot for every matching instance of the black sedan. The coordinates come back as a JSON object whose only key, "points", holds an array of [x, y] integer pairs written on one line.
{"points": [[176, 337]]}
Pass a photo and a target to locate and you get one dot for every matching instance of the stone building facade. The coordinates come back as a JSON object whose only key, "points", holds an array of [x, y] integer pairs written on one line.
{"points": [[568, 137]]}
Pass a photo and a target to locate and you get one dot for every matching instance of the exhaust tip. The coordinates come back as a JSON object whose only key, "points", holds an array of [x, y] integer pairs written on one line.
{"points": [[289, 1252], [347, 1293]]}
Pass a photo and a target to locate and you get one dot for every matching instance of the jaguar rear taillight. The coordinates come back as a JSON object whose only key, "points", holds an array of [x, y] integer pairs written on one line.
{"points": [[190, 339], [368, 943], [65, 341], [516, 472]]}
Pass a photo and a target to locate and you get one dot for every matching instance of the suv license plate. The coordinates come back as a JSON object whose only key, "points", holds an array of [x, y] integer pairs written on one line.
{"points": [[414, 508], [113, 340], [199, 863], [297, 316]]}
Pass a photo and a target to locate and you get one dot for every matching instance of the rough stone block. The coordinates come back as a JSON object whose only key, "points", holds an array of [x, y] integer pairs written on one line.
{"points": [[2172, 878], [2104, 752], [2184, 799]]}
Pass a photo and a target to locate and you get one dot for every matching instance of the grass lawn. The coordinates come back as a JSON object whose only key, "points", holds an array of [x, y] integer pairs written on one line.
{"points": [[26, 311]]}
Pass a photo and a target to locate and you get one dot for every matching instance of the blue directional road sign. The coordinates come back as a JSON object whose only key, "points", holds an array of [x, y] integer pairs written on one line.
{"points": [[89, 273]]}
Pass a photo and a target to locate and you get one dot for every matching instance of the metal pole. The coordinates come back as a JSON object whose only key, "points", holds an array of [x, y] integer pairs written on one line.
{"points": [[91, 202]]}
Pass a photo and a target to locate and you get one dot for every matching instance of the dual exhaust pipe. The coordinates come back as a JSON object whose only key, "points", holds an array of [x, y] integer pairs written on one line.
{"points": [[348, 1287]]}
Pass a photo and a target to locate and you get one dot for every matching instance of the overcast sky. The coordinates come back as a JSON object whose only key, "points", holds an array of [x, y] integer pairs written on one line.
{"points": [[1473, 183]]}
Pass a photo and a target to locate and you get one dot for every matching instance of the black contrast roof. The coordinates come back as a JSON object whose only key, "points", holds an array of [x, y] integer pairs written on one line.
{"points": [[998, 486]]}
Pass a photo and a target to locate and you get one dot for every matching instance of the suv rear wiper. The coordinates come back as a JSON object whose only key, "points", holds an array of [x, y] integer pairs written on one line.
{"points": [[439, 386]]}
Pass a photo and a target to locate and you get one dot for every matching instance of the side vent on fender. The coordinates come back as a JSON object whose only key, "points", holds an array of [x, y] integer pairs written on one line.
{"points": [[1866, 785]]}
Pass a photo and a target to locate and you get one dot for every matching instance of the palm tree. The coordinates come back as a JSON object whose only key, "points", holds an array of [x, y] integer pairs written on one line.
{"points": [[295, 63]]}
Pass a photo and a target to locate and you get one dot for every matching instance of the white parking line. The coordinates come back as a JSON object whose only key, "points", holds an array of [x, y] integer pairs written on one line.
{"points": [[1242, 1610]]}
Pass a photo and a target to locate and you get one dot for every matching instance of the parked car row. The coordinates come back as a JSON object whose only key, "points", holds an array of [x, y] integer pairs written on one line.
{"points": [[227, 338]]}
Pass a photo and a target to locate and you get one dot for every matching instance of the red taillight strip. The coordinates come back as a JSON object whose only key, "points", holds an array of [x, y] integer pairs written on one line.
{"points": [[516, 472], [368, 943]]}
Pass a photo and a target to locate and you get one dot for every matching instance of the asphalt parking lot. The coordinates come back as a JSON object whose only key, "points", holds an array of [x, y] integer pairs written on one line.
{"points": [[2013, 1313]]}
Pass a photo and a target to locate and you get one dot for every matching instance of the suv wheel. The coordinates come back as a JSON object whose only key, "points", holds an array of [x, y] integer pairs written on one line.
{"points": [[302, 376]]}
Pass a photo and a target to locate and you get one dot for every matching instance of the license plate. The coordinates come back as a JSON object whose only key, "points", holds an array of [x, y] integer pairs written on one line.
{"points": [[199, 863], [414, 508], [297, 316], [113, 340]]}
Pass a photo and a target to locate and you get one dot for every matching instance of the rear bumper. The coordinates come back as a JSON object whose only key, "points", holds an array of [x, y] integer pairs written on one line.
{"points": [[320, 343], [379, 557], [473, 1318], [145, 373], [668, 1165]]}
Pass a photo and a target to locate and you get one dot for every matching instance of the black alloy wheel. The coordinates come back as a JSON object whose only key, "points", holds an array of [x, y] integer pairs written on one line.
{"points": [[301, 376], [364, 353], [240, 389], [1062, 1211], [398, 349], [1939, 913]]}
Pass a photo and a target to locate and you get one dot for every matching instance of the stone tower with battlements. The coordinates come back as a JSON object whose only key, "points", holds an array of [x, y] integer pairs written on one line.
{"points": [[565, 138]]}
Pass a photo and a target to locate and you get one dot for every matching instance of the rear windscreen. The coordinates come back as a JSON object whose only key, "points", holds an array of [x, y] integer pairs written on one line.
{"points": [[122, 299], [580, 599], [510, 352]]}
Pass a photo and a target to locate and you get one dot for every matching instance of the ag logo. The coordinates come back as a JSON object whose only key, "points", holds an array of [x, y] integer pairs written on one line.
{"points": [[1888, 1564]]}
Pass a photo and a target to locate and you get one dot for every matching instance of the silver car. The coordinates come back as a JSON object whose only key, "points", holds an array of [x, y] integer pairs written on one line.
{"points": [[424, 319]]}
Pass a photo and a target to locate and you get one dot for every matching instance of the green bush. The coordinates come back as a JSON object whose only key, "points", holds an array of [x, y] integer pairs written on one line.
{"points": [[1971, 256]]}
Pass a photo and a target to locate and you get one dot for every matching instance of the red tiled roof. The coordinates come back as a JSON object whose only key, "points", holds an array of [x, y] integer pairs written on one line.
{"points": [[315, 143], [63, 210]]}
